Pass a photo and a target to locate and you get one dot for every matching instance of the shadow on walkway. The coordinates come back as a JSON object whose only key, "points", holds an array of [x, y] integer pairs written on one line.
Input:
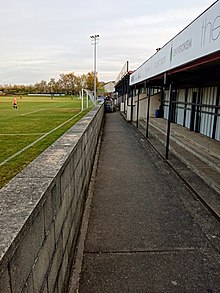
{"points": [[147, 232]]}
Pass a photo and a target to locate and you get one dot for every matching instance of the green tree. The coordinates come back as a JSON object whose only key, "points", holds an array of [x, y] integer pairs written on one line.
{"points": [[90, 81], [69, 82], [52, 85], [41, 87]]}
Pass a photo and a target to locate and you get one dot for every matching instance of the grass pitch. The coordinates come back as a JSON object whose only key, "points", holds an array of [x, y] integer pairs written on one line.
{"points": [[27, 131]]}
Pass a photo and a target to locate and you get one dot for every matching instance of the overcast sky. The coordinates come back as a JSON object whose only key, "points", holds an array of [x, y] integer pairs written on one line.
{"points": [[40, 39]]}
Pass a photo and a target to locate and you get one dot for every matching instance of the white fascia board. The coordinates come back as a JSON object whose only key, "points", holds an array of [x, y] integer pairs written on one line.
{"points": [[200, 38]]}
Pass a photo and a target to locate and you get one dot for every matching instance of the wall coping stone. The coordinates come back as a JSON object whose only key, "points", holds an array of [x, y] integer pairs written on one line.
{"points": [[23, 196]]}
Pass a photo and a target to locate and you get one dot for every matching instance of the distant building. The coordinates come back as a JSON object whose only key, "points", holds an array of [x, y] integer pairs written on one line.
{"points": [[109, 87]]}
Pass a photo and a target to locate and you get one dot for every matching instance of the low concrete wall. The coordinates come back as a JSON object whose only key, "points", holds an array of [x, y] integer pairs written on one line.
{"points": [[41, 210]]}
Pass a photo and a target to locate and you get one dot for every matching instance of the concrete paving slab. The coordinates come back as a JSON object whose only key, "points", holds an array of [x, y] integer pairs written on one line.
{"points": [[147, 232], [151, 272], [202, 177]]}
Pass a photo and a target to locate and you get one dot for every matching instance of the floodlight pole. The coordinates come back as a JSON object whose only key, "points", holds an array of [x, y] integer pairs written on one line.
{"points": [[95, 39]]}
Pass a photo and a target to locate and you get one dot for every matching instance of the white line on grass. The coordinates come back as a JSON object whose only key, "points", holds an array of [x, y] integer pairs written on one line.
{"points": [[21, 134], [28, 113], [40, 138]]}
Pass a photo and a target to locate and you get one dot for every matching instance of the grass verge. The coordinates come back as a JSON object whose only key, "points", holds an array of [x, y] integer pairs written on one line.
{"points": [[35, 117]]}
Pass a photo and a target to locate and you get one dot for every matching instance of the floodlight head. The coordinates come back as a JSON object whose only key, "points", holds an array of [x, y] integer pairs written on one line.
{"points": [[94, 37]]}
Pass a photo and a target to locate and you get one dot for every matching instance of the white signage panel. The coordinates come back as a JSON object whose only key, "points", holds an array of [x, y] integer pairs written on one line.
{"points": [[200, 38], [157, 64]]}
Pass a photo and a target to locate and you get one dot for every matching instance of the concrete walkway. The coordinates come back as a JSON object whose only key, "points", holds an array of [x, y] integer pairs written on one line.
{"points": [[147, 232], [194, 156]]}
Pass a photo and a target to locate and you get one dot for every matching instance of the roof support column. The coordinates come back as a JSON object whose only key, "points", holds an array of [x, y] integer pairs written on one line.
{"points": [[185, 107], [198, 111], [138, 107], [148, 110], [217, 104], [132, 99], [123, 93], [169, 120], [128, 90]]}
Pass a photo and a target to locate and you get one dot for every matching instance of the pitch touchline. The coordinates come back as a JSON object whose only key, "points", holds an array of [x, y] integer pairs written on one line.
{"points": [[40, 138], [21, 134], [34, 111], [42, 110]]}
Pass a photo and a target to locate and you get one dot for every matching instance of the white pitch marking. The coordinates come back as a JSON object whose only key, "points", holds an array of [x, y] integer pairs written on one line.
{"points": [[21, 134], [28, 113], [40, 138]]}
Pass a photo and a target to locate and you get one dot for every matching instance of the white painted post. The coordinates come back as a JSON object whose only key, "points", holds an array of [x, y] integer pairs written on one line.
{"points": [[82, 98]]}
